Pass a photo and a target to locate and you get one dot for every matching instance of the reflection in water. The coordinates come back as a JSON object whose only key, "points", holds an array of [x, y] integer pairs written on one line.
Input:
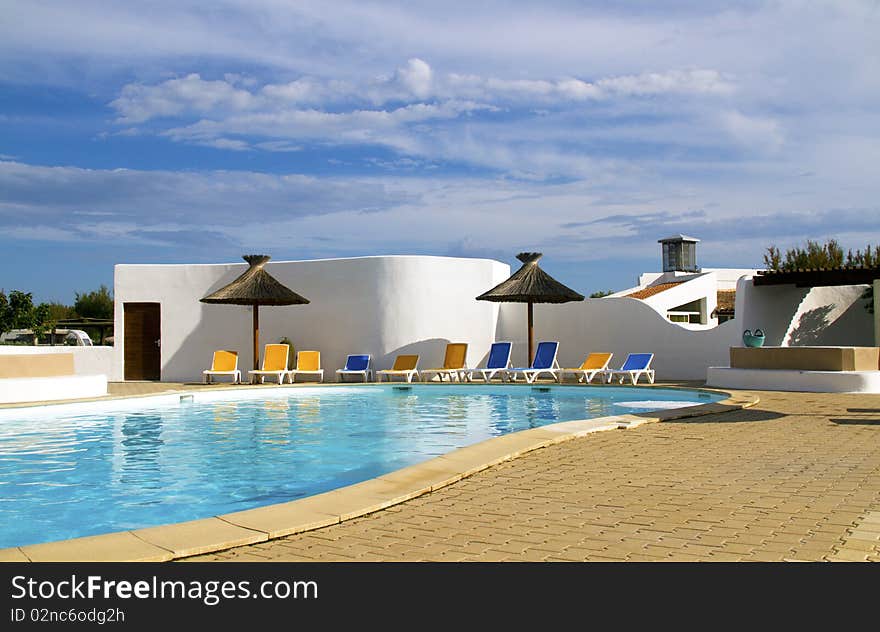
{"points": [[500, 416], [541, 408], [308, 409], [141, 446], [276, 428], [276, 408], [457, 408], [225, 412]]}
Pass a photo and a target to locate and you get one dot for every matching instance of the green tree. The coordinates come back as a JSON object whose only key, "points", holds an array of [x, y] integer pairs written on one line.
{"points": [[59, 311], [811, 255], [827, 255], [40, 321], [19, 312], [96, 304], [21, 306], [5, 313], [601, 293]]}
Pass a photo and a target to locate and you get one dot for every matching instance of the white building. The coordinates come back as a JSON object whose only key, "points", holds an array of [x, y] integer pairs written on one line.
{"points": [[388, 305], [684, 293]]}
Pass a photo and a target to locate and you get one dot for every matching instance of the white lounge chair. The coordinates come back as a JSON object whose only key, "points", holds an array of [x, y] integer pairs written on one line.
{"points": [[223, 363], [544, 362], [274, 363], [453, 362], [357, 364], [636, 365], [404, 366], [595, 364], [307, 363], [498, 363]]}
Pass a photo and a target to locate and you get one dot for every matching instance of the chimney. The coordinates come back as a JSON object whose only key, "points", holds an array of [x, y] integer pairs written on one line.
{"points": [[679, 253]]}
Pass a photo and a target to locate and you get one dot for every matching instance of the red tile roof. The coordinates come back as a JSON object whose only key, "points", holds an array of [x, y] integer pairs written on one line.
{"points": [[651, 290]]}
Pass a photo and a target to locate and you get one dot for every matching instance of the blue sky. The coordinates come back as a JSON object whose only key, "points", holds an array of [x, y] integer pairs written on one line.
{"points": [[141, 132]]}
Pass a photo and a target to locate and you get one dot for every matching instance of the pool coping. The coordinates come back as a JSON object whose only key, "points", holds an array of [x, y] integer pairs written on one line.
{"points": [[225, 531]]}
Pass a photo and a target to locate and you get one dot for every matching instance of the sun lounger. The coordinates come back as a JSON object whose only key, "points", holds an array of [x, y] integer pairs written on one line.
{"points": [[595, 364], [544, 362], [404, 366], [498, 362], [307, 363], [635, 366], [274, 363], [453, 362], [357, 364], [223, 363]]}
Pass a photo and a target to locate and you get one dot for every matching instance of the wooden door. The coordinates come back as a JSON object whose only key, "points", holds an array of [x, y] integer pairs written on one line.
{"points": [[143, 334]]}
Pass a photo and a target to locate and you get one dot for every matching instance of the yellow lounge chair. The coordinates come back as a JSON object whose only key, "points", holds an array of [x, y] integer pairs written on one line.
{"points": [[595, 364], [307, 363], [404, 366], [274, 363], [454, 363], [223, 363]]}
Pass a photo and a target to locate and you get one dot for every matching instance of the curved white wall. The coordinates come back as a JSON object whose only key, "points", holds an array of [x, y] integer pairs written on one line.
{"points": [[377, 305], [621, 326], [831, 316], [416, 304]]}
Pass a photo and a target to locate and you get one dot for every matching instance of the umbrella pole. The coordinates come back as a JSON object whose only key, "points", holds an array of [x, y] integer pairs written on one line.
{"points": [[531, 334], [256, 337]]}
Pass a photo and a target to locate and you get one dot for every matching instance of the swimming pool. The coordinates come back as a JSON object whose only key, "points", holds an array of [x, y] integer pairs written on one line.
{"points": [[74, 470]]}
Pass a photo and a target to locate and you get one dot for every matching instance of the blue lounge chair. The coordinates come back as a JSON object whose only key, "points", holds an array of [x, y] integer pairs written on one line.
{"points": [[357, 364], [544, 362], [635, 366], [498, 362]]}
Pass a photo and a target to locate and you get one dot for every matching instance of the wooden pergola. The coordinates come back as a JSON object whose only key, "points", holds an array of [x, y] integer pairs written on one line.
{"points": [[819, 277]]}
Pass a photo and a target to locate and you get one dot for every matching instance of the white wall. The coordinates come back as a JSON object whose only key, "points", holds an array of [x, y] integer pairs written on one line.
{"points": [[621, 326], [412, 304], [831, 316], [86, 360], [728, 277], [767, 307], [793, 316], [702, 286], [377, 305]]}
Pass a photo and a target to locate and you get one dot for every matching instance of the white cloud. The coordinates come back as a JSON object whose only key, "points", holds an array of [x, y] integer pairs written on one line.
{"points": [[137, 103], [449, 117], [753, 131], [417, 77], [414, 83], [129, 198], [638, 108]]}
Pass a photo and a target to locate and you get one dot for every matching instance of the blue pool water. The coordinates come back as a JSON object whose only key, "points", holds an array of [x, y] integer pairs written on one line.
{"points": [[75, 470]]}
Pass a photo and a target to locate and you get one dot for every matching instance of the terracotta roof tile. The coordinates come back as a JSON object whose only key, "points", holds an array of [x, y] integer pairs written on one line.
{"points": [[651, 290]]}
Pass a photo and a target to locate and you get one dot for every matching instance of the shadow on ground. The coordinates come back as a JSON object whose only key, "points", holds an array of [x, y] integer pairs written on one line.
{"points": [[736, 415], [857, 422]]}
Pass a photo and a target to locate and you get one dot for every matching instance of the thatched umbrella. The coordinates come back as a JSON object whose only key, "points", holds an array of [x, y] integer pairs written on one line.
{"points": [[256, 287], [530, 284]]}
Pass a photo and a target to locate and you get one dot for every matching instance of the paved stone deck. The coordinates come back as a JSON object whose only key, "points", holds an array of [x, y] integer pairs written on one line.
{"points": [[795, 478]]}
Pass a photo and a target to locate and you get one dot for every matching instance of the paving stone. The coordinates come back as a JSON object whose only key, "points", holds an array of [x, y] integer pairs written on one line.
{"points": [[718, 487]]}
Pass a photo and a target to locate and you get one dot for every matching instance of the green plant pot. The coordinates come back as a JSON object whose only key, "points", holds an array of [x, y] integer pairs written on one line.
{"points": [[753, 340]]}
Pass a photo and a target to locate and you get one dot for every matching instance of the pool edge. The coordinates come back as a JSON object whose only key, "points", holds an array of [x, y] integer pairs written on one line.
{"points": [[218, 533]]}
